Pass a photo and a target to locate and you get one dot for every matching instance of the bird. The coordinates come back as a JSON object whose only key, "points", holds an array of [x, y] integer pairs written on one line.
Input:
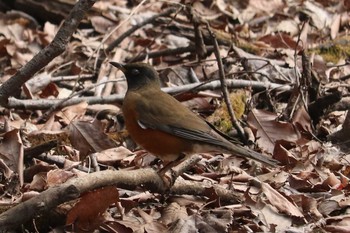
{"points": [[166, 128]]}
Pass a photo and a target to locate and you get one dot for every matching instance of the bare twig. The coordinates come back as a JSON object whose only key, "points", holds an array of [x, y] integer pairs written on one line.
{"points": [[168, 52], [73, 78], [224, 88], [118, 98], [62, 101], [174, 172]]}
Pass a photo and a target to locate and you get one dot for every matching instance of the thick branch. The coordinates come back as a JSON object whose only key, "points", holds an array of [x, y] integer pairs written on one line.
{"points": [[44, 202], [72, 189], [147, 178], [55, 196]]}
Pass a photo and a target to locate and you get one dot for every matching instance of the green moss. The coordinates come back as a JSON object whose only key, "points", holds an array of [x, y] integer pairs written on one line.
{"points": [[221, 119], [334, 50]]}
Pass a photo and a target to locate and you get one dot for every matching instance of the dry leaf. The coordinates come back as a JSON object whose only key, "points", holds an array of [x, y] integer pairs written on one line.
{"points": [[11, 152], [88, 137], [87, 213]]}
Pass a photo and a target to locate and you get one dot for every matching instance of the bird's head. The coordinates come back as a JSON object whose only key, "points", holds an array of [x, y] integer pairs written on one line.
{"points": [[138, 74]]}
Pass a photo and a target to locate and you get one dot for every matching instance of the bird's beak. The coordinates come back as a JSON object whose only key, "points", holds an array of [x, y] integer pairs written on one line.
{"points": [[118, 65]]}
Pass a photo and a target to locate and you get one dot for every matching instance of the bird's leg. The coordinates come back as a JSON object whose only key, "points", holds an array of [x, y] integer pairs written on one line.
{"points": [[171, 164], [169, 179]]}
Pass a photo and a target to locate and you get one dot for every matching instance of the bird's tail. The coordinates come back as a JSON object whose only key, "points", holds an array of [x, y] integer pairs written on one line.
{"points": [[248, 153]]}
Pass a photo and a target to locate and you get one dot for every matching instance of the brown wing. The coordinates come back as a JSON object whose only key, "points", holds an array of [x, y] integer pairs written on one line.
{"points": [[176, 119]]}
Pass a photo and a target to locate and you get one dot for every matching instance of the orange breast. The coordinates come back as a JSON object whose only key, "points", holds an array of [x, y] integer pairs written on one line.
{"points": [[163, 145]]}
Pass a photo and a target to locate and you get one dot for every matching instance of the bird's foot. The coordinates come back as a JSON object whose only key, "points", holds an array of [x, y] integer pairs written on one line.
{"points": [[169, 177]]}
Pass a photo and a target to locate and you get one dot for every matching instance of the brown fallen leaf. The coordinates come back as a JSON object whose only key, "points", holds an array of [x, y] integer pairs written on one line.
{"points": [[88, 137], [278, 200], [86, 215]]}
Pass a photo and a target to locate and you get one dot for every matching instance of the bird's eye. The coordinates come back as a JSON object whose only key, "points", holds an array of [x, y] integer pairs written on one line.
{"points": [[135, 72]]}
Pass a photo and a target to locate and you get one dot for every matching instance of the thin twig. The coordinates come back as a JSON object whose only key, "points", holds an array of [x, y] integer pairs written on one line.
{"points": [[56, 106], [118, 98], [168, 52], [224, 88], [72, 77]]}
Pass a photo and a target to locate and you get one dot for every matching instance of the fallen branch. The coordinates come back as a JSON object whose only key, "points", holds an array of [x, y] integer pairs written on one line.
{"points": [[118, 98], [72, 189]]}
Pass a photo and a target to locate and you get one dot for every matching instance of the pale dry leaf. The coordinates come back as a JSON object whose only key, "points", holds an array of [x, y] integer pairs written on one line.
{"points": [[39, 182], [38, 82], [283, 155], [17, 32], [183, 225], [308, 204], [101, 24], [277, 177], [268, 130], [227, 8], [50, 31], [267, 6], [73, 112], [326, 207], [141, 197], [58, 176], [174, 41], [274, 72], [280, 202], [219, 219], [88, 137], [338, 224], [139, 18], [150, 224], [270, 215], [28, 195], [320, 17], [5, 170], [335, 26], [302, 120], [289, 26], [112, 155], [172, 213], [205, 13], [21, 58], [12, 152]]}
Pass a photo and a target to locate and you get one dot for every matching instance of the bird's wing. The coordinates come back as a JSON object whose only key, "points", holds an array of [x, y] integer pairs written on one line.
{"points": [[228, 138], [176, 119]]}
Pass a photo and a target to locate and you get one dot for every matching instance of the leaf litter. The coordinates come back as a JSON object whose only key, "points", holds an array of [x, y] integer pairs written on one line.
{"points": [[259, 41]]}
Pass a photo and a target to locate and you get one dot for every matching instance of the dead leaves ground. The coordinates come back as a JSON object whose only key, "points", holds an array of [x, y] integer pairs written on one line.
{"points": [[290, 62]]}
